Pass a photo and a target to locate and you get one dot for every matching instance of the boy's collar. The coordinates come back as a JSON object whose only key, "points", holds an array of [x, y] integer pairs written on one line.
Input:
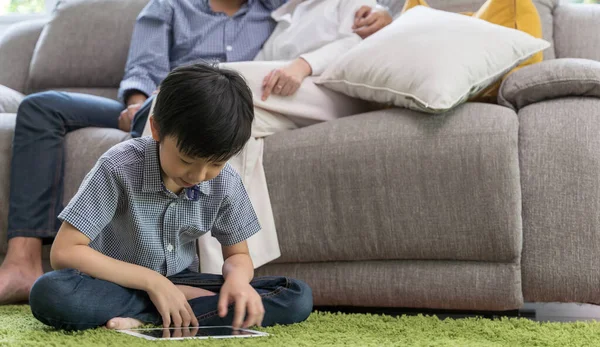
{"points": [[152, 180]]}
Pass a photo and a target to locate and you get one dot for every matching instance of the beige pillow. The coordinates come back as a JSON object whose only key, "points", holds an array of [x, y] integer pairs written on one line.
{"points": [[430, 60]]}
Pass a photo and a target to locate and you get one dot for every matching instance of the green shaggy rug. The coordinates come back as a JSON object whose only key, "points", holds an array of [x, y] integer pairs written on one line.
{"points": [[19, 328]]}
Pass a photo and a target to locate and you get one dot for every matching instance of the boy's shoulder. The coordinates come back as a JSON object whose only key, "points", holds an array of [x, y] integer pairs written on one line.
{"points": [[229, 173], [127, 153], [226, 183]]}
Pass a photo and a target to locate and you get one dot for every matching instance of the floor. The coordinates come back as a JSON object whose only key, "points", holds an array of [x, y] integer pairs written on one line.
{"points": [[556, 312]]}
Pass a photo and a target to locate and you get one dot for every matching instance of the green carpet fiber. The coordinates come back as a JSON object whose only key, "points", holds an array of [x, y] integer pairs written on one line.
{"points": [[19, 328]]}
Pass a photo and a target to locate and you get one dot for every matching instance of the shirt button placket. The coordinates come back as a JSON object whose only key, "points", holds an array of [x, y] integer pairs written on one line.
{"points": [[229, 31], [170, 223]]}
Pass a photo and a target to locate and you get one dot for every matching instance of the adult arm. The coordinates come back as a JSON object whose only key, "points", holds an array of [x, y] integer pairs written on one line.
{"points": [[148, 60]]}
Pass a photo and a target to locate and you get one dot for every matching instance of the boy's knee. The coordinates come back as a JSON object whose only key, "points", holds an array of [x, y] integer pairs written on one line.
{"points": [[51, 298], [301, 304]]}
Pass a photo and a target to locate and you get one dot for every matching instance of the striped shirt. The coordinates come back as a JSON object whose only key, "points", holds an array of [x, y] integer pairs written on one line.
{"points": [[128, 214], [171, 33]]}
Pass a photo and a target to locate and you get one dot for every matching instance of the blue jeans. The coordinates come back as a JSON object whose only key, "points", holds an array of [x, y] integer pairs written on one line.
{"points": [[37, 165], [68, 299]]}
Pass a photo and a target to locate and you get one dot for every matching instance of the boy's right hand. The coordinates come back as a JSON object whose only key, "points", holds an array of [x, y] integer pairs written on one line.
{"points": [[171, 303]]}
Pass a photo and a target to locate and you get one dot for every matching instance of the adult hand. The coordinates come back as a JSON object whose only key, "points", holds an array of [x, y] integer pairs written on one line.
{"points": [[171, 303], [247, 303], [126, 117], [367, 22], [287, 80]]}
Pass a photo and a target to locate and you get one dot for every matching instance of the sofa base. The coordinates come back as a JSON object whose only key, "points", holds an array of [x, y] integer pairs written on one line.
{"points": [[455, 285]]}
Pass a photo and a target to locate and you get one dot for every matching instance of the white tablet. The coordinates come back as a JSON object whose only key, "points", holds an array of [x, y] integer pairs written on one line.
{"points": [[218, 332]]}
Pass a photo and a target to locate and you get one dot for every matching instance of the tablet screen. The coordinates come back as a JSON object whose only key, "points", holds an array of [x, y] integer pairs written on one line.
{"points": [[194, 332]]}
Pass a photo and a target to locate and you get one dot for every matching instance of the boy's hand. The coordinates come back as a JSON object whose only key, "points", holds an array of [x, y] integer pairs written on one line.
{"points": [[246, 300], [171, 303]]}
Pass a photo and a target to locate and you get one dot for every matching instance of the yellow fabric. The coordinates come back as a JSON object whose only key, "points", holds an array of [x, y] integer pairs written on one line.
{"points": [[413, 3], [515, 14]]}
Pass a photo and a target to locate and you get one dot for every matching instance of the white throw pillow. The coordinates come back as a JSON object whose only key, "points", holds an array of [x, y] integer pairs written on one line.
{"points": [[430, 60]]}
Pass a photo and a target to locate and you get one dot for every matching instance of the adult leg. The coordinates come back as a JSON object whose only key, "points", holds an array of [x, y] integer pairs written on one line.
{"points": [[43, 120], [141, 117], [264, 245]]}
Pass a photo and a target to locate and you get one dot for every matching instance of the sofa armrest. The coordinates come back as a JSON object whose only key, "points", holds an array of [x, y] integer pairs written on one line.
{"points": [[550, 79], [17, 45], [9, 100], [576, 31]]}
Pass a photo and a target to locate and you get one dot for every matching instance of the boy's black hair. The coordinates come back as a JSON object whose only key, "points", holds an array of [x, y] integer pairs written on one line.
{"points": [[208, 110]]}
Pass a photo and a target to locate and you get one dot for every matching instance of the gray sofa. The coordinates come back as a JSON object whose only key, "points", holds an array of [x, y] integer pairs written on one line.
{"points": [[482, 208]]}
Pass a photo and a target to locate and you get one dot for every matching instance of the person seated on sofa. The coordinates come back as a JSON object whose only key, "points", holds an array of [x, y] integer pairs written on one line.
{"points": [[125, 254], [290, 58], [159, 43], [328, 24]]}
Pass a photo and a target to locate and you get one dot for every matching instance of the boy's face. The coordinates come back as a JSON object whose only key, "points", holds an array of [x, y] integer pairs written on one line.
{"points": [[180, 171]]}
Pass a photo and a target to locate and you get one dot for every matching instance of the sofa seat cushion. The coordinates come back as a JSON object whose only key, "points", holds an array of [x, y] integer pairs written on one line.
{"points": [[396, 184]]}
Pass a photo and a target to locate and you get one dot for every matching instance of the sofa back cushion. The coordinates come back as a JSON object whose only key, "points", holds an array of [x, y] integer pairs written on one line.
{"points": [[16, 49], [545, 9], [84, 45], [576, 34]]}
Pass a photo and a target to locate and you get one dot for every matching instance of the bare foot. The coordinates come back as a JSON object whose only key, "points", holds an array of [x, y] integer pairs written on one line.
{"points": [[193, 292], [20, 269], [119, 323], [15, 283]]}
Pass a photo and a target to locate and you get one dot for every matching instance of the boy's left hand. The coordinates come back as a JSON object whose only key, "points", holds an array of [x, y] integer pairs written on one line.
{"points": [[247, 303]]}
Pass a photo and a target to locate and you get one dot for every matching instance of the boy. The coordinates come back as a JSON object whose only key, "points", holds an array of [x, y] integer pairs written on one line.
{"points": [[125, 254]]}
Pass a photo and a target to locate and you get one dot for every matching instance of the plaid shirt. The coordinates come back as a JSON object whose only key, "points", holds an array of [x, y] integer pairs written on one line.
{"points": [[171, 33], [128, 214]]}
